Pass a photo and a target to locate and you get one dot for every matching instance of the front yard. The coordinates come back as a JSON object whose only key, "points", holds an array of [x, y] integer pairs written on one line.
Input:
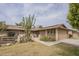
{"points": [[36, 49]]}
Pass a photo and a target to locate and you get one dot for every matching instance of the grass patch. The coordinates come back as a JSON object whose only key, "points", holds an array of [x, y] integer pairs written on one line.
{"points": [[37, 49], [68, 50]]}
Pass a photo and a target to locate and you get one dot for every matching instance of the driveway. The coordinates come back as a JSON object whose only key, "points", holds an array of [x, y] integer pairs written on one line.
{"points": [[74, 42]]}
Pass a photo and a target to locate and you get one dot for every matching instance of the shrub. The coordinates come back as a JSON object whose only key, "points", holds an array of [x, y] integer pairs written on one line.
{"points": [[44, 38], [47, 38]]}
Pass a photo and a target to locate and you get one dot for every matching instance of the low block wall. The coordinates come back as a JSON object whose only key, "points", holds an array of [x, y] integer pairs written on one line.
{"points": [[4, 40]]}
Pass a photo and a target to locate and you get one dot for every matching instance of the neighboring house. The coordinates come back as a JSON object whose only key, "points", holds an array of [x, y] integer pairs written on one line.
{"points": [[58, 32]]}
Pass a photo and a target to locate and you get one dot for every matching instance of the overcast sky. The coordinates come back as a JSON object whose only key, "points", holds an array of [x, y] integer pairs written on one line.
{"points": [[46, 14]]}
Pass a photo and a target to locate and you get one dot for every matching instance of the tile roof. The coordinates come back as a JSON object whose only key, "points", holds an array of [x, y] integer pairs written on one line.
{"points": [[50, 27], [62, 26], [14, 27]]}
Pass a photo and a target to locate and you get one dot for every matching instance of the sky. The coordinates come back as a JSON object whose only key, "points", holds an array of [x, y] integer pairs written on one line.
{"points": [[46, 14]]}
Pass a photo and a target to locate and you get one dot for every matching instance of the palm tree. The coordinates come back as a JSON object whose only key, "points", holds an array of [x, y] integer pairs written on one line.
{"points": [[27, 23]]}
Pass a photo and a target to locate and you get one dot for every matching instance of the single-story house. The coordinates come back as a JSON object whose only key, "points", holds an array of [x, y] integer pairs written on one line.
{"points": [[57, 32]]}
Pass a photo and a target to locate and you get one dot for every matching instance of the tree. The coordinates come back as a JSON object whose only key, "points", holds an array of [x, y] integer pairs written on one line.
{"points": [[2, 26], [27, 23], [19, 24], [40, 26], [73, 15]]}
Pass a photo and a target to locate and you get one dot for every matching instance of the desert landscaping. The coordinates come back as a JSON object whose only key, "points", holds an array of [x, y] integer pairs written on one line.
{"points": [[38, 49]]}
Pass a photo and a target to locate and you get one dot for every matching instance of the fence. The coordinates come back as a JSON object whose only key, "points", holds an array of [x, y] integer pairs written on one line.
{"points": [[4, 40]]}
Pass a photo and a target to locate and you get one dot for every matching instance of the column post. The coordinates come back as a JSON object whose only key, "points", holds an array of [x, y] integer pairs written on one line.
{"points": [[56, 33], [46, 32]]}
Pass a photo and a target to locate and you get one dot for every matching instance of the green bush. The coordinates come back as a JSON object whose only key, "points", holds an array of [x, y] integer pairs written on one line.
{"points": [[44, 38], [47, 38]]}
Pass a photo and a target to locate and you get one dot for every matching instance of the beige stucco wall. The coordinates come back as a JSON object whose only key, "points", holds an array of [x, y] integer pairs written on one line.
{"points": [[42, 33], [62, 34], [75, 35], [59, 34]]}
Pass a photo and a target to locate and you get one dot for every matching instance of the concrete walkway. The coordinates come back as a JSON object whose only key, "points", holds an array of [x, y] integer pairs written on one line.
{"points": [[74, 42], [47, 43]]}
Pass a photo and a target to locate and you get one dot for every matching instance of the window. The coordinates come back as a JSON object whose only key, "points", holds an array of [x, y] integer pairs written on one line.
{"points": [[11, 34], [51, 32]]}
